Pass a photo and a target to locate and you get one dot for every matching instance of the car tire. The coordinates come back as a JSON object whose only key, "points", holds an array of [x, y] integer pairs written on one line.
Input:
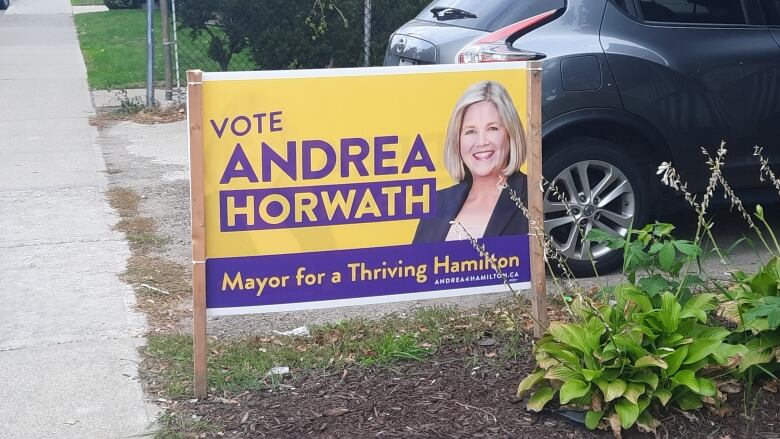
{"points": [[4, 4], [603, 187]]}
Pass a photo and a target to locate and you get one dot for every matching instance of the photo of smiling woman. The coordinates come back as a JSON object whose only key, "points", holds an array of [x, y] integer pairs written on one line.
{"points": [[483, 151]]}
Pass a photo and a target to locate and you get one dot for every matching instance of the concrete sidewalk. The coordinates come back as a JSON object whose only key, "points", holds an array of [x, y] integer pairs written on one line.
{"points": [[68, 330]]}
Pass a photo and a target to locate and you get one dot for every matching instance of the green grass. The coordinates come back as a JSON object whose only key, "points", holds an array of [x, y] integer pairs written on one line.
{"points": [[114, 48], [86, 2], [242, 364]]}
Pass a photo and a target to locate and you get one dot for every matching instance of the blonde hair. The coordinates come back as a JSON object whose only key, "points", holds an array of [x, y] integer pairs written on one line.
{"points": [[494, 92]]}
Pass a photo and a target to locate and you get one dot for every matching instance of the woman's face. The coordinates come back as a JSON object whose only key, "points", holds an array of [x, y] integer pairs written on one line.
{"points": [[484, 141]]}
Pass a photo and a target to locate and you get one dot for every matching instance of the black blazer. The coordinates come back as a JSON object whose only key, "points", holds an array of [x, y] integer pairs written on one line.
{"points": [[506, 219]]}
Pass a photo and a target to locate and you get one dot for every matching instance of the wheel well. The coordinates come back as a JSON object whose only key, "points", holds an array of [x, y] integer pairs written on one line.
{"points": [[653, 148]]}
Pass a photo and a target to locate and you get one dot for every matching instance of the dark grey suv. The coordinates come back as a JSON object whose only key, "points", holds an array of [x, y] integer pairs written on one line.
{"points": [[627, 84]]}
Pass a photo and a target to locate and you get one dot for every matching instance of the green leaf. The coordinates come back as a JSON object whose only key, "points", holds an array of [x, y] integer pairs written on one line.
{"points": [[562, 373], [662, 229], [774, 319], [590, 375], [627, 412], [764, 284], [685, 378], [648, 378], [605, 238], [630, 293], [768, 307], [634, 391], [572, 390], [628, 344], [688, 400], [643, 403], [671, 340], [529, 382], [670, 312], [663, 395], [540, 398], [707, 387], [698, 306], [611, 389], [592, 419], [700, 331], [666, 257], [559, 353], [755, 356], [692, 279], [701, 348], [725, 352], [647, 423], [653, 285], [545, 361], [675, 359], [570, 335], [687, 248], [649, 360]]}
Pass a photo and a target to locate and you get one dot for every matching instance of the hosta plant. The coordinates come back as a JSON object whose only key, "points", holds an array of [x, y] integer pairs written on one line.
{"points": [[649, 346], [753, 302]]}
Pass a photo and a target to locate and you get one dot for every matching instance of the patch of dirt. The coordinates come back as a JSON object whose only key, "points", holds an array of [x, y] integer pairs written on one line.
{"points": [[107, 116], [457, 394], [161, 287], [124, 200]]}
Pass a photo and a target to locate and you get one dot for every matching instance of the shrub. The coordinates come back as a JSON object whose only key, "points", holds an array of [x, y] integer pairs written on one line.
{"points": [[283, 34], [123, 4], [754, 303], [649, 346]]}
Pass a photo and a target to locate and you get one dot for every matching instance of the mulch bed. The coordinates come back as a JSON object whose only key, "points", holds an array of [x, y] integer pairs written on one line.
{"points": [[458, 393]]}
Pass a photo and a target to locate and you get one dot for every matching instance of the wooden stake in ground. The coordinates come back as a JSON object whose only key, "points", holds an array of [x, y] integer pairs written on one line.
{"points": [[197, 200], [535, 199]]}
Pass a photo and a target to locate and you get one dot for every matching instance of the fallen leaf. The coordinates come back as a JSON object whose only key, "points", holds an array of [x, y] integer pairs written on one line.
{"points": [[71, 421], [730, 386], [486, 342], [225, 400], [770, 386], [722, 411], [340, 411], [614, 422]]}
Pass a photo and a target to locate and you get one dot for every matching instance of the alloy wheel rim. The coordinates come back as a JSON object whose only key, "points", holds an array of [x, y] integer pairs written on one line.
{"points": [[588, 194]]}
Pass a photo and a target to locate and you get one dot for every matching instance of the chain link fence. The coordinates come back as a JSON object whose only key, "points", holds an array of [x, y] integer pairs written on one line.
{"points": [[209, 48], [192, 51]]}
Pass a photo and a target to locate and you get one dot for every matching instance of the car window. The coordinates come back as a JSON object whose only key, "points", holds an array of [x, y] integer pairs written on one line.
{"points": [[693, 11], [771, 11], [626, 6], [487, 15]]}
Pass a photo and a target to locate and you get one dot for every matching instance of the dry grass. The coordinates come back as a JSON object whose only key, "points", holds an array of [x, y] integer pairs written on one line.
{"points": [[162, 287], [111, 115], [124, 200]]}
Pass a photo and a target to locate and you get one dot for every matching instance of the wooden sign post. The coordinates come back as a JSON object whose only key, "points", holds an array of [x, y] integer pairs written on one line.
{"points": [[197, 198], [535, 198]]}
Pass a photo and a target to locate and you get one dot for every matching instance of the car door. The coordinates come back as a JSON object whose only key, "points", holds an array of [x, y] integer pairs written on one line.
{"points": [[772, 12], [702, 72]]}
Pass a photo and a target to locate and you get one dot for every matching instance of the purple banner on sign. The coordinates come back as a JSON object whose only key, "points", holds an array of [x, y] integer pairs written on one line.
{"points": [[284, 208], [360, 273]]}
